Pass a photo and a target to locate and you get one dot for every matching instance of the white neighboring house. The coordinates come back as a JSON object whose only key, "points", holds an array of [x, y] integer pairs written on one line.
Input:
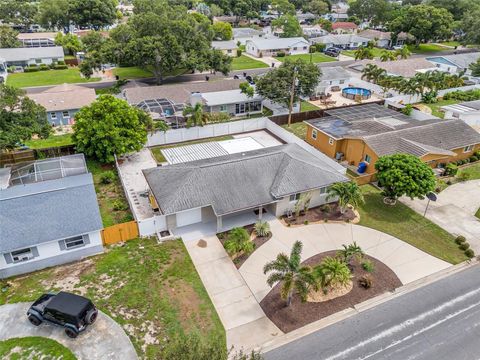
{"points": [[32, 56], [232, 102], [3, 71], [50, 222], [468, 111], [344, 41], [455, 64], [228, 47], [313, 31], [243, 34], [273, 46], [332, 76], [35, 40], [383, 39]]}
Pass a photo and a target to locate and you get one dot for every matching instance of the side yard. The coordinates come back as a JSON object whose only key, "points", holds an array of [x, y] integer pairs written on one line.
{"points": [[315, 58], [244, 62], [435, 107], [152, 290], [299, 129], [51, 141], [49, 77]]}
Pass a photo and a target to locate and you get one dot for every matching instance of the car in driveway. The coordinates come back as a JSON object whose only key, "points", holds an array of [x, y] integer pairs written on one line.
{"points": [[333, 52], [72, 312]]}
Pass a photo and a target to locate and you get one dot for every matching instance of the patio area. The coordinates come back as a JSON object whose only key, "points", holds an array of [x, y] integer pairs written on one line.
{"points": [[336, 99]]}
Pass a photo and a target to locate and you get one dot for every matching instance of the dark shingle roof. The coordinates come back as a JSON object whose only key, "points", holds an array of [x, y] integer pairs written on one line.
{"points": [[46, 211], [239, 181]]}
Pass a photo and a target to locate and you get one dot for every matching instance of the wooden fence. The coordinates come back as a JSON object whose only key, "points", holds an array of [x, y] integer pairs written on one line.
{"points": [[16, 157], [120, 232], [20, 156]]}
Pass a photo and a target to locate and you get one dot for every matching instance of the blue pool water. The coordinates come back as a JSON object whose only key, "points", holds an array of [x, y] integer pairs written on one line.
{"points": [[357, 91]]}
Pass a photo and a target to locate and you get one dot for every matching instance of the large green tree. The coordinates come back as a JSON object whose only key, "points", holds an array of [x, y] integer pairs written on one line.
{"points": [[18, 12], [470, 24], [374, 11], [404, 175], [94, 14], [108, 127], [71, 43], [20, 118], [8, 37], [289, 25], [222, 30], [316, 7], [54, 14]]}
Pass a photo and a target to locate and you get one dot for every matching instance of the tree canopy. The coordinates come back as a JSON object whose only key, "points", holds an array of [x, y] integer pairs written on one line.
{"points": [[20, 118], [8, 37], [222, 30], [375, 11], [94, 14], [110, 126], [289, 25], [54, 14]]}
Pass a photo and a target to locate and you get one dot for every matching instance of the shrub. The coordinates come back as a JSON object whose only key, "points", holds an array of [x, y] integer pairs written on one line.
{"points": [[31, 69], [11, 69], [217, 117], [108, 177], [238, 240], [366, 281], [469, 253], [368, 266], [239, 52], [61, 62], [44, 67], [460, 239], [473, 158], [464, 246], [280, 54], [407, 110], [119, 205], [60, 67], [451, 169], [320, 47], [262, 228]]}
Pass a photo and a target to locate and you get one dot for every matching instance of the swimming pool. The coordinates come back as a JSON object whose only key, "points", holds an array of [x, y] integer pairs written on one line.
{"points": [[355, 93]]}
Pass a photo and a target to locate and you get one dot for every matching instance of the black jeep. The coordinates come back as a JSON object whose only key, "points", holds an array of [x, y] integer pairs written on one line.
{"points": [[71, 311]]}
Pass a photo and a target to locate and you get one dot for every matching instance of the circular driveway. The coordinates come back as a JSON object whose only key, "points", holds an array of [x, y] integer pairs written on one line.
{"points": [[104, 340]]}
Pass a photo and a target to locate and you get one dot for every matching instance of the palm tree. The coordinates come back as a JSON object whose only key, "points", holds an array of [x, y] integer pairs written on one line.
{"points": [[238, 241], [347, 193], [194, 114], [403, 53], [363, 53], [387, 56], [331, 272], [289, 271], [348, 252], [372, 72]]}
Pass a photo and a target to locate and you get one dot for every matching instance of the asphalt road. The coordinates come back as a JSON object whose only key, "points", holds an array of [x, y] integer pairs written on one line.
{"points": [[440, 321]]}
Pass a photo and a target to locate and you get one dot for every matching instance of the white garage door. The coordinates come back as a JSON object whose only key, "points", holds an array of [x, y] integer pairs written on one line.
{"points": [[189, 217]]}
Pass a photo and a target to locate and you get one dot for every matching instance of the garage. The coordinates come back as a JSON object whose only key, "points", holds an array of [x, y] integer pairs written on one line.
{"points": [[189, 217]]}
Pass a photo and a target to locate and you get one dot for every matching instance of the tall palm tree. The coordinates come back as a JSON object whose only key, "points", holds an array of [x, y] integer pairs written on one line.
{"points": [[363, 53], [347, 193], [387, 56], [289, 271], [403, 53], [373, 73], [194, 114], [331, 272]]}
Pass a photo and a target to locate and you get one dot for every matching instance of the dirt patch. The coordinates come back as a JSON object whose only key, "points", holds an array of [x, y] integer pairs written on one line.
{"points": [[300, 313], [67, 277], [327, 212]]}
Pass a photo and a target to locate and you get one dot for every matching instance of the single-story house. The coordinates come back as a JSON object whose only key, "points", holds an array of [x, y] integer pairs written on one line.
{"points": [[467, 111], [344, 41], [332, 76], [273, 46], [455, 63], [361, 134], [50, 222], [383, 39], [212, 190], [228, 47], [243, 34], [406, 68], [29, 56], [344, 27], [313, 31], [63, 101], [232, 102], [39, 39]]}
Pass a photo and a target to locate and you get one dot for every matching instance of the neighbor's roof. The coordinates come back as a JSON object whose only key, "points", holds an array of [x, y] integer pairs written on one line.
{"points": [[462, 61], [464, 108], [344, 25], [341, 39], [406, 68], [46, 211], [376, 34], [64, 97], [239, 181], [246, 32], [277, 43], [180, 93], [24, 54], [227, 97], [36, 36], [334, 73], [224, 45]]}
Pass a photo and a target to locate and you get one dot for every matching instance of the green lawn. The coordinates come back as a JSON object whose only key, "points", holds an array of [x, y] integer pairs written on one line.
{"points": [[315, 57], [49, 77], [157, 150], [152, 290], [436, 107], [426, 48], [376, 52], [132, 72], [113, 205], [244, 63], [299, 129], [472, 171], [34, 347], [51, 141], [306, 106], [407, 225], [451, 43]]}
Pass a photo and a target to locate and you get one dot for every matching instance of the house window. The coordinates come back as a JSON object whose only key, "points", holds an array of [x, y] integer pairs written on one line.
{"points": [[323, 190], [229, 51], [239, 108], [294, 197], [294, 48], [223, 108], [304, 48], [314, 134], [74, 242], [368, 158], [38, 61], [342, 81], [468, 148], [330, 141], [22, 255], [66, 114], [53, 116]]}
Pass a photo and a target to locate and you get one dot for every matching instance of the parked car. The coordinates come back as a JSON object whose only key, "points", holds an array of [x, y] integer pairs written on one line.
{"points": [[73, 312], [334, 52]]}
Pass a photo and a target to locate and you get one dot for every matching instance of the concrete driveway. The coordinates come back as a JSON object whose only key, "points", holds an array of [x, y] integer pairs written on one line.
{"points": [[454, 210], [104, 340]]}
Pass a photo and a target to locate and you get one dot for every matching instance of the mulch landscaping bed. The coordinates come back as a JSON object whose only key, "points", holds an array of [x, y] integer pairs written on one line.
{"points": [[321, 213], [258, 241], [300, 313]]}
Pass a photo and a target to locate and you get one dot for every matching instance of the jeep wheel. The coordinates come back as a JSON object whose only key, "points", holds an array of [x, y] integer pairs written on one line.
{"points": [[34, 320], [91, 316], [71, 333]]}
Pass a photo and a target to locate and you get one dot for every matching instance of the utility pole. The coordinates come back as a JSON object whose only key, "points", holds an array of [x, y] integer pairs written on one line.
{"points": [[292, 95]]}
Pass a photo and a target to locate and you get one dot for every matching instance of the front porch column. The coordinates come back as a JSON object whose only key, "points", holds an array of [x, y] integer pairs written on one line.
{"points": [[219, 223], [260, 212]]}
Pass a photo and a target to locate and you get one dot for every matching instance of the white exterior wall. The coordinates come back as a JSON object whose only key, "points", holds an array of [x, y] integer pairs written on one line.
{"points": [[445, 67], [285, 204], [151, 226]]}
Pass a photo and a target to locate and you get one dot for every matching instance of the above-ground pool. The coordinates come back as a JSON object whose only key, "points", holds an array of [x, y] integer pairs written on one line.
{"points": [[354, 93]]}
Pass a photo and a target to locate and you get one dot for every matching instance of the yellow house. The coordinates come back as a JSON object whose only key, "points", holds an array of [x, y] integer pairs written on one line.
{"points": [[362, 134]]}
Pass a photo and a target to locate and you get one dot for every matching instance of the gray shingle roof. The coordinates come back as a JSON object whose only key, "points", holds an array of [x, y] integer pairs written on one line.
{"points": [[334, 73], [239, 181], [224, 45], [278, 43], [25, 54], [341, 39], [46, 211], [406, 68]]}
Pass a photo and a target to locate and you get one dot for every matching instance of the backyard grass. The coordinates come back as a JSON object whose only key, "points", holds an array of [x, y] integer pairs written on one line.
{"points": [[306, 106], [113, 205], [426, 48], [315, 57], [157, 150], [51, 141], [299, 129], [436, 107], [34, 347], [407, 225], [471, 172], [49, 77], [152, 290], [376, 52], [132, 72], [451, 43], [244, 63]]}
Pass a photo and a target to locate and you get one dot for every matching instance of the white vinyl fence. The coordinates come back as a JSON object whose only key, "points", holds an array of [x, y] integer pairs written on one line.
{"points": [[413, 99]]}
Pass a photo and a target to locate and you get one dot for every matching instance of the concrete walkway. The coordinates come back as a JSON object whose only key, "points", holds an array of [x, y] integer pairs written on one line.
{"points": [[408, 262], [454, 210], [104, 340], [269, 60]]}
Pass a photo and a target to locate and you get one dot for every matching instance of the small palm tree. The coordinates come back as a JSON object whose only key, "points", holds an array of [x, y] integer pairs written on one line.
{"points": [[373, 73], [194, 115], [347, 193], [293, 276], [331, 272], [364, 53], [403, 53], [262, 228], [238, 241], [349, 252], [387, 56]]}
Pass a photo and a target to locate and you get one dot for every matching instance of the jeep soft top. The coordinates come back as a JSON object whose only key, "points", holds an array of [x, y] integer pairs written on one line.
{"points": [[71, 305]]}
